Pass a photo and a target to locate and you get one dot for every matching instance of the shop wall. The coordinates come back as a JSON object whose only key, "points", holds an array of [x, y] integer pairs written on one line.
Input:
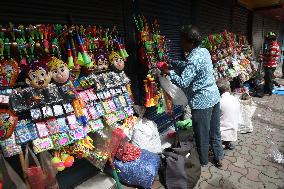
{"points": [[214, 16], [260, 27], [240, 20]]}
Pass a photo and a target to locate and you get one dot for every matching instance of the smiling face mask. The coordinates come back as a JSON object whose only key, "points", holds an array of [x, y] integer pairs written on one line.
{"points": [[59, 71], [38, 75]]}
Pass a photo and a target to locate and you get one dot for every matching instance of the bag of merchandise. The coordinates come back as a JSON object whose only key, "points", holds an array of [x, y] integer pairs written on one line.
{"points": [[177, 95], [33, 170], [146, 136], [181, 167], [48, 170], [247, 111], [8, 177], [140, 172]]}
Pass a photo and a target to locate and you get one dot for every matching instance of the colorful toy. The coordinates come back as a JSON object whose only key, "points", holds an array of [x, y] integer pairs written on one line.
{"points": [[117, 62], [38, 75], [8, 121], [59, 70], [102, 61], [9, 72]]}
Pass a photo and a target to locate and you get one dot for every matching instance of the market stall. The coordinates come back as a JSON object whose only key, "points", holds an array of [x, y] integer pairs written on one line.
{"points": [[73, 101], [231, 56]]}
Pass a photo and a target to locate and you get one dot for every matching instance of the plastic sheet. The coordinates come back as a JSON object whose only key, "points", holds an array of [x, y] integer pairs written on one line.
{"points": [[146, 136], [49, 171], [106, 143], [9, 178], [275, 154], [33, 170], [177, 95]]}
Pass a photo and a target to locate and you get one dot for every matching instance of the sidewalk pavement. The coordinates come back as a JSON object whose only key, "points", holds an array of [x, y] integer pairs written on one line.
{"points": [[249, 166]]}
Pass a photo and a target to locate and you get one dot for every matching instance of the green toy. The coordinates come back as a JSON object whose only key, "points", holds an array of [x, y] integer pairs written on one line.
{"points": [[185, 124]]}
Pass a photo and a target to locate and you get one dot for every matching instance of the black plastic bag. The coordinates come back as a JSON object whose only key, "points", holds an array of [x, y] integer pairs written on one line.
{"points": [[181, 168]]}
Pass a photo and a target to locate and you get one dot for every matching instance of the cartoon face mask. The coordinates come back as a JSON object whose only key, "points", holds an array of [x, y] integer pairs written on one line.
{"points": [[59, 71], [116, 61], [38, 75], [101, 61]]}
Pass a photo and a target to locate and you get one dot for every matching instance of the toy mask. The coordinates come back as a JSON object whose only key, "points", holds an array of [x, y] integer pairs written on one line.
{"points": [[38, 75], [59, 71], [116, 61], [8, 121], [101, 61], [9, 72]]}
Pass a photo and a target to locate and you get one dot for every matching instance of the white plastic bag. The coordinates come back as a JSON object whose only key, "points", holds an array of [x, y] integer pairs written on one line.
{"points": [[146, 136], [176, 93], [247, 111]]}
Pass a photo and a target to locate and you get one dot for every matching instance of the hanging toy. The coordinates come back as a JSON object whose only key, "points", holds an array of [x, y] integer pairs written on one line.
{"points": [[38, 75], [117, 62], [79, 105], [9, 72], [151, 99], [85, 56], [70, 57], [102, 61], [8, 121], [59, 71]]}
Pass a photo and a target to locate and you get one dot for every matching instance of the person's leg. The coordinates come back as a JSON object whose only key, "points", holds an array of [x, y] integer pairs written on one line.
{"points": [[283, 66], [270, 79], [266, 80], [215, 133], [201, 125]]}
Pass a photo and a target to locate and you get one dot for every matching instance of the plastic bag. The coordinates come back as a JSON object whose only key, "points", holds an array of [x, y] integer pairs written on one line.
{"points": [[8, 177], [275, 154], [49, 171], [33, 170], [177, 95], [247, 111], [146, 136], [140, 172]]}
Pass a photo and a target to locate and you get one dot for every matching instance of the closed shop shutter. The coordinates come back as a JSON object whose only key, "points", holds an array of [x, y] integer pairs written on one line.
{"points": [[171, 15], [214, 16], [271, 25], [240, 20], [257, 34], [104, 13]]}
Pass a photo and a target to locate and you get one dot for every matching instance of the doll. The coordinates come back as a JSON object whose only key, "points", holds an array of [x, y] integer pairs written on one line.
{"points": [[38, 75], [101, 61], [117, 62], [59, 71]]}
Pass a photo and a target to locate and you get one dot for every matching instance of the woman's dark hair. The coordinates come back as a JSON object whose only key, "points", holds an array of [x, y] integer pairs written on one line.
{"points": [[191, 34]]}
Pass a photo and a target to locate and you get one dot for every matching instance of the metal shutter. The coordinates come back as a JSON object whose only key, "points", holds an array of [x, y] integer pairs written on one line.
{"points": [[171, 15], [240, 20], [104, 13], [271, 25], [257, 34], [214, 16]]}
